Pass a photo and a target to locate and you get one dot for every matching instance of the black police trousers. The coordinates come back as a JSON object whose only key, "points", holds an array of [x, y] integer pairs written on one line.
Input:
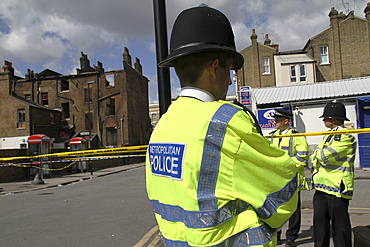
{"points": [[329, 208]]}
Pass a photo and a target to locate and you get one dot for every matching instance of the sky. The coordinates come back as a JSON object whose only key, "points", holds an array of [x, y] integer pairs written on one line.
{"points": [[51, 34]]}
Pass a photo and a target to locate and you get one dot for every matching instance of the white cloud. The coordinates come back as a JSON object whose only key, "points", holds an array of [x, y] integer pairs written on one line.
{"points": [[51, 34]]}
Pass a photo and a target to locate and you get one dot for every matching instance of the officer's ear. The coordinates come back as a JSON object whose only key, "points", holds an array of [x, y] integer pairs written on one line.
{"points": [[212, 66]]}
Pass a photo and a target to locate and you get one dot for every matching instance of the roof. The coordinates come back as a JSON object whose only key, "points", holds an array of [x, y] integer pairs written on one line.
{"points": [[48, 72], [352, 88], [33, 104], [294, 58]]}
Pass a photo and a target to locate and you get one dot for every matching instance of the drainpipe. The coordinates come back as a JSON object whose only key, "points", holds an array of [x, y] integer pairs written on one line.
{"points": [[122, 141]]}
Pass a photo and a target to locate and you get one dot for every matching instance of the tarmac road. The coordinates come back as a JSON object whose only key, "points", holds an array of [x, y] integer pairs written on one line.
{"points": [[107, 221]]}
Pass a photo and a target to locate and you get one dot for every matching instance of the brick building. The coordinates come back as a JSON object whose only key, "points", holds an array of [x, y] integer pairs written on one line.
{"points": [[110, 108], [343, 50], [258, 69], [340, 52], [22, 117]]}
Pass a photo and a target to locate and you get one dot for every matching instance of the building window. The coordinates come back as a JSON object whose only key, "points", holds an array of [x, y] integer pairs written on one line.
{"points": [[265, 65], [324, 54], [88, 95], [109, 80], [21, 118], [302, 71], [111, 107], [65, 110], [293, 74], [44, 99], [301, 68], [88, 121], [154, 116], [64, 85], [28, 97], [111, 136]]}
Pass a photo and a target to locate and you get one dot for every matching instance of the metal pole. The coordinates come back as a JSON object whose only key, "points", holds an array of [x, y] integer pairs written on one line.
{"points": [[161, 43]]}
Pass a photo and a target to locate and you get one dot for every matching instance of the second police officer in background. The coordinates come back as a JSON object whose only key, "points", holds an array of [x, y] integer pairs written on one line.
{"points": [[297, 148], [212, 179], [333, 180]]}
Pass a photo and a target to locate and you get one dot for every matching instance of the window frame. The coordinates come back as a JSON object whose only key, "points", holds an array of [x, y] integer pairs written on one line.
{"points": [[293, 78], [304, 75], [111, 106], [21, 118], [266, 66], [324, 53], [45, 99], [64, 86], [66, 112]]}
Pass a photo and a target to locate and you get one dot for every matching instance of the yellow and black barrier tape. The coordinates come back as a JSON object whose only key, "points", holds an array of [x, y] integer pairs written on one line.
{"points": [[104, 151], [30, 165], [142, 148], [335, 132], [42, 168]]}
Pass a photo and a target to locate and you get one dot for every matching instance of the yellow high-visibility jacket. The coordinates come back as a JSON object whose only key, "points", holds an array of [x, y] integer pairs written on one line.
{"points": [[212, 179], [333, 160], [297, 148]]}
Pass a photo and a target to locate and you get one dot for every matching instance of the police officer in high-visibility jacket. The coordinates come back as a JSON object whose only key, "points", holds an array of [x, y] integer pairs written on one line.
{"points": [[297, 148], [333, 179], [212, 179]]}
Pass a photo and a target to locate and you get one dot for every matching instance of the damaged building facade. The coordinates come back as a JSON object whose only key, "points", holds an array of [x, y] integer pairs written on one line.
{"points": [[107, 108]]}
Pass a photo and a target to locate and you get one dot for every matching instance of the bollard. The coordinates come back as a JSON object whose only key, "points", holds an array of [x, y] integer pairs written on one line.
{"points": [[38, 179]]}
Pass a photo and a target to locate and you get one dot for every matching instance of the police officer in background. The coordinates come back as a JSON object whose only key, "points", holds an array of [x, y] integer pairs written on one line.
{"points": [[212, 179], [297, 148], [333, 180]]}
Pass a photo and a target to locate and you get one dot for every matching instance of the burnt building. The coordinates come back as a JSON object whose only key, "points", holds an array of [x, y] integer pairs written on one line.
{"points": [[108, 108]]}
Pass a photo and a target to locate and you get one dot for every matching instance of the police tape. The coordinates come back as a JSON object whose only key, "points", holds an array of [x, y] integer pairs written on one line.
{"points": [[132, 149], [335, 132], [143, 148], [42, 168], [31, 165]]}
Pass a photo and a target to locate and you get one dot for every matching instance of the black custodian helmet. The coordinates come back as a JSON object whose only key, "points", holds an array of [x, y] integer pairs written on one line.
{"points": [[335, 109], [201, 29]]}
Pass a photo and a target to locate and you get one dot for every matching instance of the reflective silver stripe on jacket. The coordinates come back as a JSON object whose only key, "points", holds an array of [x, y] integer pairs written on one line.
{"points": [[199, 219], [338, 168], [251, 237], [274, 200], [211, 156]]}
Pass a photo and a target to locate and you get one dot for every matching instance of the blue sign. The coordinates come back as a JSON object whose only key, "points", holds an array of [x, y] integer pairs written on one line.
{"points": [[166, 159], [265, 118], [245, 95]]}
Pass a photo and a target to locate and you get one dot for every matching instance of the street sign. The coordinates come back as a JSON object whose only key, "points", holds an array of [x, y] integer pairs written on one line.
{"points": [[245, 95]]}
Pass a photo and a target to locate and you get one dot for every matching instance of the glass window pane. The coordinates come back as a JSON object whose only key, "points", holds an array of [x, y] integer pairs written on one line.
{"points": [[292, 71]]}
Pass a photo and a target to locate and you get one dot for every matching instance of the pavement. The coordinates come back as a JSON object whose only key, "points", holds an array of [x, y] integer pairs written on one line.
{"points": [[26, 185], [304, 239]]}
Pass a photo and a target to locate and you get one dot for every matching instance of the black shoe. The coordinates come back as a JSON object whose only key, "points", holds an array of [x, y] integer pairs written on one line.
{"points": [[289, 243], [278, 233]]}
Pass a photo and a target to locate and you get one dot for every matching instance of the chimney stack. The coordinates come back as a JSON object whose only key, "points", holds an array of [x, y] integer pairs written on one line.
{"points": [[126, 57], [138, 66], [254, 37], [267, 40], [8, 67]]}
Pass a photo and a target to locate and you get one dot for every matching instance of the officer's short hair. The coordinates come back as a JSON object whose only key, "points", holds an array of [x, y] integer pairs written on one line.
{"points": [[189, 68]]}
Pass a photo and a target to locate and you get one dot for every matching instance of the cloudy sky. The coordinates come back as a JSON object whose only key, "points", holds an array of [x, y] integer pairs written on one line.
{"points": [[40, 34]]}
